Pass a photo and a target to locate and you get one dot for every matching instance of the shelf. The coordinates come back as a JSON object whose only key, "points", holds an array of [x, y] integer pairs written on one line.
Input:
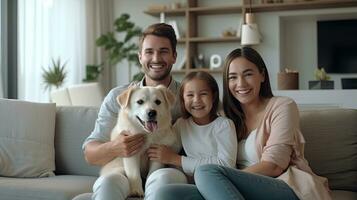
{"points": [[271, 7], [168, 12], [206, 70], [211, 39], [213, 10], [184, 71]]}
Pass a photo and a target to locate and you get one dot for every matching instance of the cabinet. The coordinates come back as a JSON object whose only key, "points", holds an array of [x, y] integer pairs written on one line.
{"points": [[192, 11]]}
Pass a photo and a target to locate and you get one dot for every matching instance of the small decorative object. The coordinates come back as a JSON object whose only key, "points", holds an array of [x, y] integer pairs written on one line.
{"points": [[320, 74], [162, 17], [215, 61], [230, 32], [54, 75], [349, 83], [250, 32], [173, 23], [288, 79], [199, 61], [322, 80]]}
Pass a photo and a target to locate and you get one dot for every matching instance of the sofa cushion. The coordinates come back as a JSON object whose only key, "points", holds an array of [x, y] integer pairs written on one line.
{"points": [[331, 146], [26, 138], [73, 126], [49, 188], [343, 195]]}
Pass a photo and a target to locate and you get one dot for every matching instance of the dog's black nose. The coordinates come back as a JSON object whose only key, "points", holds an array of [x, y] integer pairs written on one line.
{"points": [[152, 113]]}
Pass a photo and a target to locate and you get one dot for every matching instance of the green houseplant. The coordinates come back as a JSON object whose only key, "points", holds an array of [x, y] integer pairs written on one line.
{"points": [[55, 75], [322, 80], [119, 49]]}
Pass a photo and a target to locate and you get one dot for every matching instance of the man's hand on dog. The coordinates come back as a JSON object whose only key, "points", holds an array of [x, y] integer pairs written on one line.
{"points": [[164, 154], [127, 145]]}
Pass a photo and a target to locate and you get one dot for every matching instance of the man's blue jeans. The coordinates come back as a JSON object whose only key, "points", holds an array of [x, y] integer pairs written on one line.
{"points": [[214, 182]]}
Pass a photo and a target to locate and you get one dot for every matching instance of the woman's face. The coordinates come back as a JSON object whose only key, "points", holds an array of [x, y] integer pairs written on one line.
{"points": [[244, 80]]}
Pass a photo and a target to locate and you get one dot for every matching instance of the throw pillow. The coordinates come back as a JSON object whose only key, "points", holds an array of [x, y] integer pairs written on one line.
{"points": [[27, 138]]}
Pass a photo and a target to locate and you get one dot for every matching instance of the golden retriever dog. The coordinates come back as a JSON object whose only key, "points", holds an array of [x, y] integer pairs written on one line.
{"points": [[143, 110]]}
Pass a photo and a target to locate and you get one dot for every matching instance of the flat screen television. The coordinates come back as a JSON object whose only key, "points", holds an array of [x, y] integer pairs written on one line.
{"points": [[337, 45]]}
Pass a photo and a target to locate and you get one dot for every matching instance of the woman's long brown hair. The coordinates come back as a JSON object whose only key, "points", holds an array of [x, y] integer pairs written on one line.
{"points": [[231, 105]]}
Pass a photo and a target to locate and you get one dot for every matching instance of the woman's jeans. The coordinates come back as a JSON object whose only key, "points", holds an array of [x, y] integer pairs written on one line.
{"points": [[218, 182]]}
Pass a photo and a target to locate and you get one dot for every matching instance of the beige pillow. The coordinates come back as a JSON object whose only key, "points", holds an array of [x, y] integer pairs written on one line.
{"points": [[27, 138]]}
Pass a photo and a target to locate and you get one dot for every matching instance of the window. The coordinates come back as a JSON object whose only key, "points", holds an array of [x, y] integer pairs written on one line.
{"points": [[49, 29]]}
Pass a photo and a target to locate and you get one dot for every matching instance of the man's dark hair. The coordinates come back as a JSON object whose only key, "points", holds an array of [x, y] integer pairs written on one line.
{"points": [[160, 30]]}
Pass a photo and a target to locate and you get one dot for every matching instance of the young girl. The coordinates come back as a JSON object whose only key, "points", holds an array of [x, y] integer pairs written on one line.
{"points": [[206, 137]]}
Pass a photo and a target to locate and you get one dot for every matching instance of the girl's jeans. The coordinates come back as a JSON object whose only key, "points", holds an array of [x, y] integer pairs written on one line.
{"points": [[214, 182]]}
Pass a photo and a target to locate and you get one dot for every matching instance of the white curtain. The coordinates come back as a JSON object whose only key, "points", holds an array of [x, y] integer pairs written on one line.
{"points": [[49, 29], [2, 71], [100, 20]]}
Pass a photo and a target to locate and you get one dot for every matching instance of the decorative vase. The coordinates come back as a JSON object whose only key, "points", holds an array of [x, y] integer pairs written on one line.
{"points": [[321, 84], [288, 81]]}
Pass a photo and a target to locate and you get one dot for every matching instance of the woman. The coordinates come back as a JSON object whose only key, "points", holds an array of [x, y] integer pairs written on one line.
{"points": [[270, 145]]}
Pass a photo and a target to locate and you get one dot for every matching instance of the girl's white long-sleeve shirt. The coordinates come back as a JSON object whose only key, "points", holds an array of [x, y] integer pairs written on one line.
{"points": [[213, 143]]}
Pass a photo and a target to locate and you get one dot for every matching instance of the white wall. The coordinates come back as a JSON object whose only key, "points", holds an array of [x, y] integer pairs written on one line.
{"points": [[299, 39]]}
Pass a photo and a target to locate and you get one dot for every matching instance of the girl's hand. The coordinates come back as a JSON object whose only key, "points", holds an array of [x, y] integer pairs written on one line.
{"points": [[164, 154]]}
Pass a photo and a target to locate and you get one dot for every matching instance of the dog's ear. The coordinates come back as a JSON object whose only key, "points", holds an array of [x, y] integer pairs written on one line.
{"points": [[123, 98], [169, 96]]}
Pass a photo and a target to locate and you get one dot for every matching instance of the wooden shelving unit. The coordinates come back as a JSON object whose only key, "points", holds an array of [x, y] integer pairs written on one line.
{"points": [[193, 11], [192, 39]]}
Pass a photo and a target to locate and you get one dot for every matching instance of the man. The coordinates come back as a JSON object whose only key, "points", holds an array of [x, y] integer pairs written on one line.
{"points": [[157, 54]]}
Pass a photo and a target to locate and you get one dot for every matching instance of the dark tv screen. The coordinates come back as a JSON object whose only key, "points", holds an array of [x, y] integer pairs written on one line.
{"points": [[337, 45]]}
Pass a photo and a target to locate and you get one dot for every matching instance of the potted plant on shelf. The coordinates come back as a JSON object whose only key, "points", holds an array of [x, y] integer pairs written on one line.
{"points": [[322, 80], [118, 49], [54, 76]]}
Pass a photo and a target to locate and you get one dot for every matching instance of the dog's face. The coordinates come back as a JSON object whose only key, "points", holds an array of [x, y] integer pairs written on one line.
{"points": [[148, 107]]}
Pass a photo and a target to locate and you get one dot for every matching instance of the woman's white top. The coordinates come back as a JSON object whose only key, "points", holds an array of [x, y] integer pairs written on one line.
{"points": [[247, 151], [213, 143]]}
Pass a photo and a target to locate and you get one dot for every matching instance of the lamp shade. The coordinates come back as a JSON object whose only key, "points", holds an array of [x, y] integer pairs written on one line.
{"points": [[250, 34]]}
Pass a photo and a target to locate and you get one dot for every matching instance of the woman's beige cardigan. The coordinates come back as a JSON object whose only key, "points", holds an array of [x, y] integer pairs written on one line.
{"points": [[279, 129]]}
